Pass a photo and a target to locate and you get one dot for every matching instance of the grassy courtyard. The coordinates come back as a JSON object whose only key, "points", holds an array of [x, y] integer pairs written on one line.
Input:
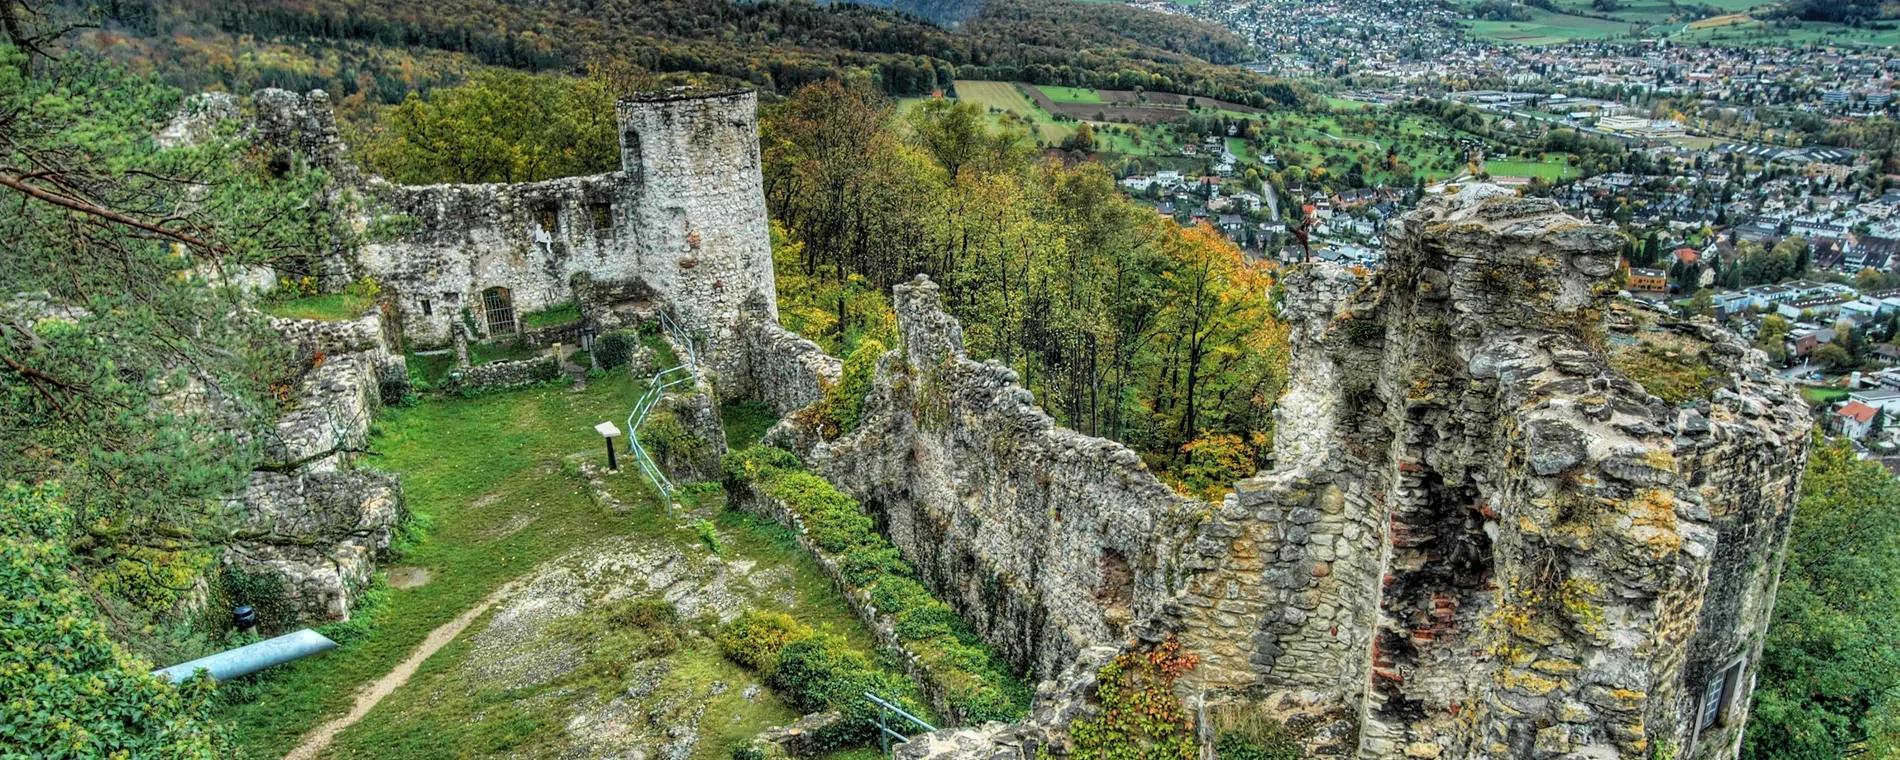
{"points": [[499, 494]]}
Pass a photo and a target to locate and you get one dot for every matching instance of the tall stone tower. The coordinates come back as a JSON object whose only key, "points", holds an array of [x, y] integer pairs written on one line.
{"points": [[691, 161]]}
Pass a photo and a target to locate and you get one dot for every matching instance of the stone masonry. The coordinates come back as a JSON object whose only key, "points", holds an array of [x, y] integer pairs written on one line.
{"points": [[311, 521], [682, 222], [1481, 539]]}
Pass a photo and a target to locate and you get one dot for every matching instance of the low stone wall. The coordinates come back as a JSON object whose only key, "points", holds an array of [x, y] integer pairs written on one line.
{"points": [[319, 536], [499, 376], [313, 522]]}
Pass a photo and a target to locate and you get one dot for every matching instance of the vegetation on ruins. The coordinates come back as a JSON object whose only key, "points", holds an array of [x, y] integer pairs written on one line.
{"points": [[948, 652], [1829, 683], [1123, 324], [128, 373], [1141, 718]]}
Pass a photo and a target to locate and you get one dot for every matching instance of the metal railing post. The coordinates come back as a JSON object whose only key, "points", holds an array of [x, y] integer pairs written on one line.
{"points": [[884, 711], [685, 372]]}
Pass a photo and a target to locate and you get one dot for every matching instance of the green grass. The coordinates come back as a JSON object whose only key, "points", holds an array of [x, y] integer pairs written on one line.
{"points": [[476, 468], [1070, 94], [1553, 169], [746, 422], [1809, 33], [431, 369], [1546, 28], [565, 313], [1004, 97], [1819, 396], [329, 307], [1349, 105], [508, 448]]}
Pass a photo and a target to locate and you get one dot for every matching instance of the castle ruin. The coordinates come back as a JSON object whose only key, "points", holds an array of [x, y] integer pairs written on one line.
{"points": [[1481, 538]]}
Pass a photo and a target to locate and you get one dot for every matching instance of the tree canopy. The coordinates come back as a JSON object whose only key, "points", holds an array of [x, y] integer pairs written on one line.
{"points": [[1829, 684]]}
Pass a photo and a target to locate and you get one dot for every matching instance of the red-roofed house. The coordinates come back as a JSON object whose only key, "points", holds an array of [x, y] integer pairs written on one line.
{"points": [[1687, 255], [1855, 419]]}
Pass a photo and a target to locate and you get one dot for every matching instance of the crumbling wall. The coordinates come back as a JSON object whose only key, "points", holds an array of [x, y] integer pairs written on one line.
{"points": [[1046, 540], [779, 367], [1527, 531], [683, 220], [1480, 538], [313, 523]]}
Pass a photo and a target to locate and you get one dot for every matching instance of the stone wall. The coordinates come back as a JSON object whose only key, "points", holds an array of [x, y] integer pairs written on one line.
{"points": [[1046, 540], [779, 367], [1525, 558], [682, 220], [312, 522], [498, 376], [1480, 538]]}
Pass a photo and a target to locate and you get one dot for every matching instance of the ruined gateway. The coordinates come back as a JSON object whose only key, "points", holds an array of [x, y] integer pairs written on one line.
{"points": [[1481, 539]]}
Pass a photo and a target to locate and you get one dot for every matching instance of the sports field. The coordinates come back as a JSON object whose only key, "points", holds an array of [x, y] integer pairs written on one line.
{"points": [[1554, 169]]}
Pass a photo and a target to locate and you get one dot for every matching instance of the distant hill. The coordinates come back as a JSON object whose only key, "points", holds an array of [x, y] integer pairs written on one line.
{"points": [[385, 49], [946, 12]]}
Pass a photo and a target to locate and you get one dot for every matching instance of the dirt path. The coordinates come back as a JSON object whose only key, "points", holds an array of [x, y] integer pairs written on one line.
{"points": [[368, 696]]}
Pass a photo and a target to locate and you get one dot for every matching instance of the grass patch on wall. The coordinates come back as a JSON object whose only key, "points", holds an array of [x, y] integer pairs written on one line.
{"points": [[328, 307], [1668, 371], [565, 313]]}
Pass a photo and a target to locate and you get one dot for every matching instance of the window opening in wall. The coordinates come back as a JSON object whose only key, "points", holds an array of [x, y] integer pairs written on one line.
{"points": [[428, 309], [500, 307], [602, 215], [630, 155], [547, 218], [1717, 695]]}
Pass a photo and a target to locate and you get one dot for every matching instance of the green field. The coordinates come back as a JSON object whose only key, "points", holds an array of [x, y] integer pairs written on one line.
{"points": [[1556, 168], [1546, 28], [1808, 33], [1071, 94], [1348, 105], [1004, 97]]}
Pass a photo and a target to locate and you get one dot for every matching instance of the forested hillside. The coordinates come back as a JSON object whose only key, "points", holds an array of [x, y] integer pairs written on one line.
{"points": [[389, 48]]}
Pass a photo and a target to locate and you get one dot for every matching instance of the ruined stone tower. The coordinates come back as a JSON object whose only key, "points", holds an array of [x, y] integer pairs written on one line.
{"points": [[699, 206], [682, 223], [1484, 540]]}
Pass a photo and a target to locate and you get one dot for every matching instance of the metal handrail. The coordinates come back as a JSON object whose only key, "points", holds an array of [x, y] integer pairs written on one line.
{"points": [[886, 734], [671, 377]]}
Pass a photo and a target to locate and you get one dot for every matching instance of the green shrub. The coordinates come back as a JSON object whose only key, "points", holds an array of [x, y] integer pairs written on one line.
{"points": [[950, 653], [759, 463], [707, 535], [755, 638], [843, 405], [866, 564], [644, 614], [615, 349], [70, 690], [747, 753], [1241, 747]]}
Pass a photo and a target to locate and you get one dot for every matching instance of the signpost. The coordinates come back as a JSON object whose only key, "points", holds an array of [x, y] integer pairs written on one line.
{"points": [[609, 432]]}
